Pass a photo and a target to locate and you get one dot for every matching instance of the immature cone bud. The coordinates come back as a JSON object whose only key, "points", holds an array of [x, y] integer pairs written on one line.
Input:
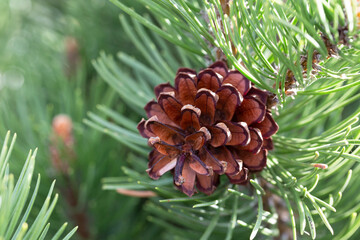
{"points": [[62, 136], [72, 56], [62, 128], [211, 123]]}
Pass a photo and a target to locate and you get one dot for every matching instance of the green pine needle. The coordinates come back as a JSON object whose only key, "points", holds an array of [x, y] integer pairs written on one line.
{"points": [[13, 215]]}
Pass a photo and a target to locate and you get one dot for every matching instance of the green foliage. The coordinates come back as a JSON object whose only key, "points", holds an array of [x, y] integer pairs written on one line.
{"points": [[265, 40], [45, 91], [16, 203], [317, 126]]}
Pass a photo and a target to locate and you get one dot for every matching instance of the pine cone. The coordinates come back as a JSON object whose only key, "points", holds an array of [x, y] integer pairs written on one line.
{"points": [[211, 123]]}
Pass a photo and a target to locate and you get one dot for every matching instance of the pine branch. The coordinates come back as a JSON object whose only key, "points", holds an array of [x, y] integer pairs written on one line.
{"points": [[274, 43], [35, 86], [14, 212]]}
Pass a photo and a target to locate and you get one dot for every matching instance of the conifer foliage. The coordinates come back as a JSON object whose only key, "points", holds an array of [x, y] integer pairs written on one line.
{"points": [[16, 203], [304, 55], [228, 119]]}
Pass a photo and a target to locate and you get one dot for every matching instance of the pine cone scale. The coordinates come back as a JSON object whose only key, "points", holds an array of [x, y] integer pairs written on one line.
{"points": [[238, 80], [240, 134], [224, 156], [252, 111], [256, 142], [206, 101], [229, 100], [154, 109], [199, 166], [208, 79], [186, 89], [161, 166]]}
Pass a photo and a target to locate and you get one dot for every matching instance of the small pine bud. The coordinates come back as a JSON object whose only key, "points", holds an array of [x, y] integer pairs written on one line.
{"points": [[320, 165], [62, 128]]}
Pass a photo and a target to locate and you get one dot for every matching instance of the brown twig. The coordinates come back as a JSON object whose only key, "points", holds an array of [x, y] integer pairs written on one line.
{"points": [[271, 200], [134, 193], [62, 155]]}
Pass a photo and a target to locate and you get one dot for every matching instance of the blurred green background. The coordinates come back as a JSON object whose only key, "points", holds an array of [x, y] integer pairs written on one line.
{"points": [[46, 49]]}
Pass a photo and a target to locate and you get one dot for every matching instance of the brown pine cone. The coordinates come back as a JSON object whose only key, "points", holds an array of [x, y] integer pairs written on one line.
{"points": [[211, 123]]}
